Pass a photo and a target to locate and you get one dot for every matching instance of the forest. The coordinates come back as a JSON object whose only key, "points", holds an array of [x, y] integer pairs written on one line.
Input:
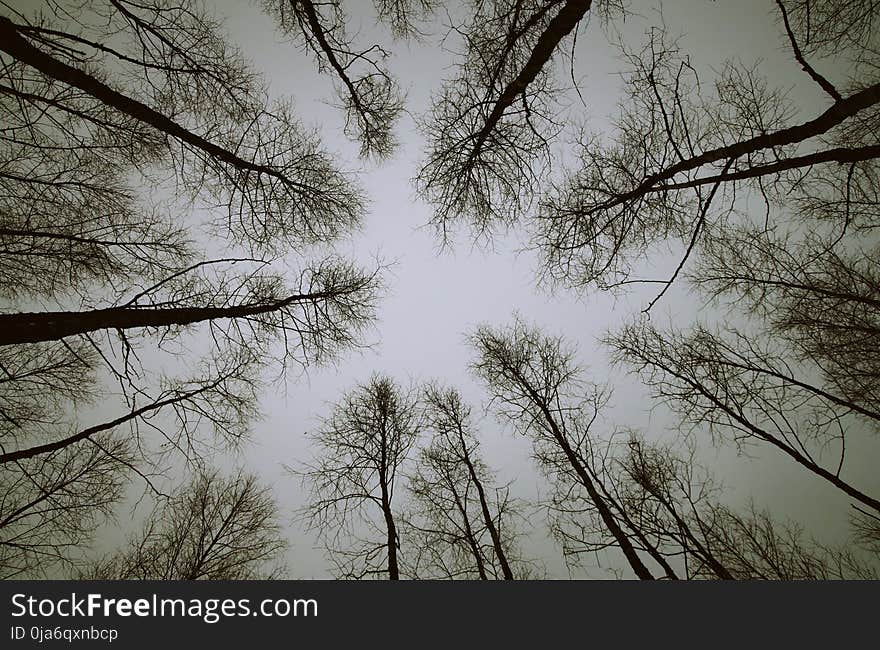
{"points": [[410, 289]]}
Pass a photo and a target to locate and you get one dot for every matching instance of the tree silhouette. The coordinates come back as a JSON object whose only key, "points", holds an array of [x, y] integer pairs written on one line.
{"points": [[799, 374], [404, 16], [216, 528], [76, 130], [646, 498], [820, 297], [224, 399], [361, 447], [166, 239], [158, 224], [53, 503], [460, 526], [681, 160], [685, 162], [490, 125], [746, 393], [334, 300], [535, 384], [675, 501], [278, 187], [371, 100]]}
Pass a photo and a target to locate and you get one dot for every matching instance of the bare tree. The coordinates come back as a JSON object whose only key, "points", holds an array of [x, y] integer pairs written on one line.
{"points": [[820, 296], [535, 384], [683, 161], [39, 381], [460, 526], [279, 188], [490, 126], [223, 397], [368, 94], [62, 479], [675, 501], [742, 391], [753, 546], [53, 504], [101, 103], [333, 301], [361, 448], [404, 16], [137, 143], [684, 156], [216, 528], [800, 374], [116, 98], [664, 495], [164, 234]]}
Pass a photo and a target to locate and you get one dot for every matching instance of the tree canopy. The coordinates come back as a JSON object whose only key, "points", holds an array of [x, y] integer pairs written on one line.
{"points": [[178, 239]]}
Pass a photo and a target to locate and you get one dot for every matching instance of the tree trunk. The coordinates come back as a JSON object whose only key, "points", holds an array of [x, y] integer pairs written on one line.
{"points": [[487, 515], [51, 326], [605, 513], [559, 27], [469, 534], [393, 571]]}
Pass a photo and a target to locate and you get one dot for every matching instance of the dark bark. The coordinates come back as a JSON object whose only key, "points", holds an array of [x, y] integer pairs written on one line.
{"points": [[391, 528], [391, 539], [838, 155], [469, 534], [605, 513], [826, 85], [32, 327], [393, 570], [650, 549], [329, 52]]}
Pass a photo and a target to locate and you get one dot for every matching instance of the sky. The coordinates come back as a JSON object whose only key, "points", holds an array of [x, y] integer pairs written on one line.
{"points": [[436, 296]]}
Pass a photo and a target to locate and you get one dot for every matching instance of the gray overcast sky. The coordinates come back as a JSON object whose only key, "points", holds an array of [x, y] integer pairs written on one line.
{"points": [[436, 297]]}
